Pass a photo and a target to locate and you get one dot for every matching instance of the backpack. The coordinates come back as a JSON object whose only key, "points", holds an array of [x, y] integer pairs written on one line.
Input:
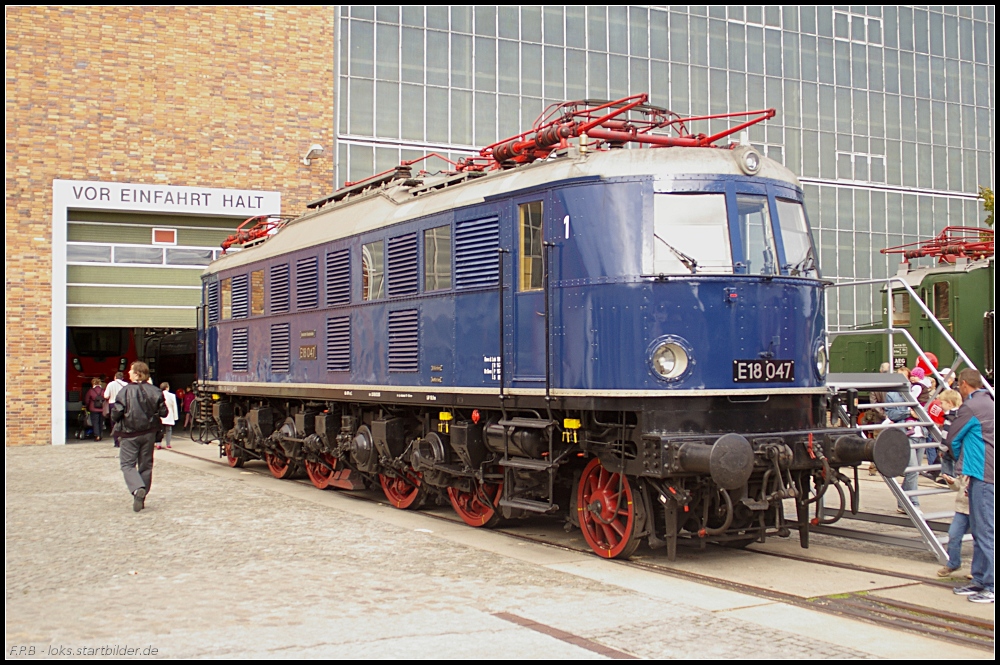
{"points": [[98, 400]]}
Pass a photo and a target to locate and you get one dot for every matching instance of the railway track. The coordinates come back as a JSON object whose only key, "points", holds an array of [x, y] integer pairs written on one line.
{"points": [[926, 621]]}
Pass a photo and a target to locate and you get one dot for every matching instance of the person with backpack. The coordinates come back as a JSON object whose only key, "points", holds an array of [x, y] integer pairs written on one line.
{"points": [[94, 401], [137, 411]]}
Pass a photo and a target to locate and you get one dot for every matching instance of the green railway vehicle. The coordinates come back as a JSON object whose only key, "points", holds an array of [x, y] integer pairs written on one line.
{"points": [[957, 289]]}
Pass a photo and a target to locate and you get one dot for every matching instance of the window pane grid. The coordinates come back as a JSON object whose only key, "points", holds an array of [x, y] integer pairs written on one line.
{"points": [[877, 99]]}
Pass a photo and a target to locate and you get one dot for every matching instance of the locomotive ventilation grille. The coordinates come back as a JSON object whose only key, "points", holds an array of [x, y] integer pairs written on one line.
{"points": [[280, 301], [338, 344], [402, 263], [338, 278], [241, 349], [476, 244], [213, 301], [241, 297], [307, 283], [404, 345], [281, 347]]}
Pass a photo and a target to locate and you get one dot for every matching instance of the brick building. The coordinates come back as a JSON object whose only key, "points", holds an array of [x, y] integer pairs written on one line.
{"points": [[205, 97]]}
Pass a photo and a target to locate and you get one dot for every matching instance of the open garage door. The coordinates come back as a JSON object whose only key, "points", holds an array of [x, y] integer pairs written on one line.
{"points": [[127, 263]]}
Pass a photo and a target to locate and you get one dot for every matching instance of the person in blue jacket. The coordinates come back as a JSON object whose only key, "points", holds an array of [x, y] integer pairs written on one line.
{"points": [[972, 436]]}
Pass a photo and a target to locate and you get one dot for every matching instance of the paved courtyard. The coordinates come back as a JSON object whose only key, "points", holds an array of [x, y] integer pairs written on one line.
{"points": [[232, 564]]}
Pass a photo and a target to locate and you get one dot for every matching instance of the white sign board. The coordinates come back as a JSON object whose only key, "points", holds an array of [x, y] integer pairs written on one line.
{"points": [[164, 198]]}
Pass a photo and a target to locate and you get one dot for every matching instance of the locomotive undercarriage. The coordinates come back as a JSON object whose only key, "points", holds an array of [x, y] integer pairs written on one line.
{"points": [[621, 476]]}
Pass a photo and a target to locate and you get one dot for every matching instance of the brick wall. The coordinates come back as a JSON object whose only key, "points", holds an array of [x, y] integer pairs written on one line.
{"points": [[216, 97]]}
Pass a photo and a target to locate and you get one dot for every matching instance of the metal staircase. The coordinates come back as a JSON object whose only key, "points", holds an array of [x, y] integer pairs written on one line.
{"points": [[928, 525]]}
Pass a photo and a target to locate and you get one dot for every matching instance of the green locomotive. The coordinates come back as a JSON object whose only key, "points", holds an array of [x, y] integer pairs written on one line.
{"points": [[958, 290]]}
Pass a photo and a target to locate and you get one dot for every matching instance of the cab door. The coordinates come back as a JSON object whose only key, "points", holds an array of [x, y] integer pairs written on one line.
{"points": [[527, 339], [941, 304]]}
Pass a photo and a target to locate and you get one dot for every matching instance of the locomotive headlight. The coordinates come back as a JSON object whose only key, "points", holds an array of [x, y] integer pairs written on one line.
{"points": [[669, 360], [822, 361], [748, 159]]}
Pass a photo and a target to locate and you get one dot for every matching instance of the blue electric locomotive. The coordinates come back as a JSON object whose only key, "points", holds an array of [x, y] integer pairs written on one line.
{"points": [[633, 338]]}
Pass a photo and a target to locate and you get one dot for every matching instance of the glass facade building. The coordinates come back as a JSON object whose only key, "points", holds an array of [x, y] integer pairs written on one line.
{"points": [[885, 113]]}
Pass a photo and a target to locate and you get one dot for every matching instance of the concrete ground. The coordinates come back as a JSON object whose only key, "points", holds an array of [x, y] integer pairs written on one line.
{"points": [[225, 563]]}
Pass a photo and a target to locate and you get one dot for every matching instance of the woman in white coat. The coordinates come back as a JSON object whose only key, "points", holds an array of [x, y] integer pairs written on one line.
{"points": [[171, 417]]}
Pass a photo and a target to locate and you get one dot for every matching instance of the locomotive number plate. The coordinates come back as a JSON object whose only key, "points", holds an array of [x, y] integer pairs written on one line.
{"points": [[763, 371]]}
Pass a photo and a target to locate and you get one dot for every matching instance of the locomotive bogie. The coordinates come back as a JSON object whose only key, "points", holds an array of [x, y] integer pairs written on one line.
{"points": [[705, 485]]}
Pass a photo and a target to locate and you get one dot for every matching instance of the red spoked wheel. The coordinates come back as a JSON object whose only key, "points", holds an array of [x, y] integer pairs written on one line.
{"points": [[607, 512], [403, 492], [234, 459], [479, 507], [320, 474], [280, 466]]}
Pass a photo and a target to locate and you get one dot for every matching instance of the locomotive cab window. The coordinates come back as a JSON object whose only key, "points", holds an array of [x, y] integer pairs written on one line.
{"points": [[942, 305], [901, 309], [757, 237], [800, 257], [372, 270], [437, 258], [691, 234], [257, 292], [227, 298], [530, 233]]}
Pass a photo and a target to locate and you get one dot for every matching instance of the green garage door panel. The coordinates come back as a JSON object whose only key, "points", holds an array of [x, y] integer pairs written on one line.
{"points": [[108, 294], [133, 235], [132, 295], [111, 275], [158, 220], [130, 317]]}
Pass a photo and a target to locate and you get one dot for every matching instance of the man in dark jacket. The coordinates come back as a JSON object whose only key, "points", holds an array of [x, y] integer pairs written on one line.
{"points": [[136, 412], [971, 436]]}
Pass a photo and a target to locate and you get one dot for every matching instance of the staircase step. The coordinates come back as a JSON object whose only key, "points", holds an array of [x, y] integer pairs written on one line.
{"points": [[941, 490], [944, 515], [866, 381], [884, 405], [530, 505], [923, 467], [967, 538]]}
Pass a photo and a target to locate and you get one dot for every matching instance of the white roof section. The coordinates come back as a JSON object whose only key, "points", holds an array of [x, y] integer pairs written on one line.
{"points": [[915, 276], [395, 203]]}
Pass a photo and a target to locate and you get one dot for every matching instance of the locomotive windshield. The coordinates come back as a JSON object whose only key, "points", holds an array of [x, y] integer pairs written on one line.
{"points": [[755, 230], [97, 342], [800, 259], [691, 234]]}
